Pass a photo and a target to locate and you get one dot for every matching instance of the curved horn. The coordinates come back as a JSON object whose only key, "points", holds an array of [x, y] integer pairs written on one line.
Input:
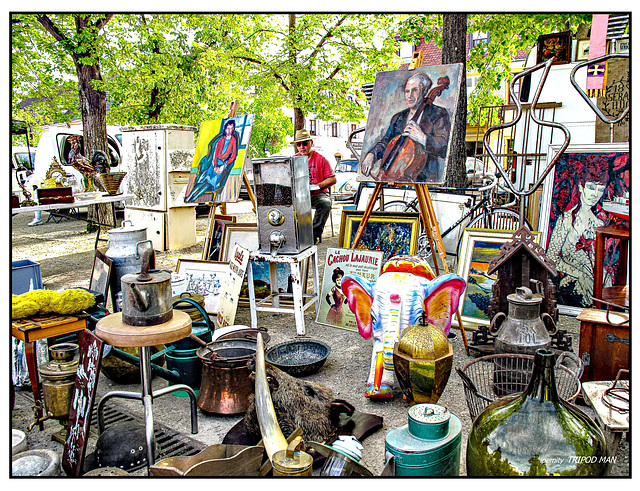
{"points": [[272, 436]]}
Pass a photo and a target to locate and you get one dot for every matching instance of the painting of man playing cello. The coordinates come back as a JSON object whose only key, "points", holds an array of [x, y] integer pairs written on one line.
{"points": [[409, 127]]}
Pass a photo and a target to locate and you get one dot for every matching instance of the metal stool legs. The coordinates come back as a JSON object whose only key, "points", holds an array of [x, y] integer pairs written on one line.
{"points": [[146, 396]]}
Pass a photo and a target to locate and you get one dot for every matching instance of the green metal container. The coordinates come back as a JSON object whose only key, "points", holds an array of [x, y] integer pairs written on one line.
{"points": [[428, 445], [187, 363]]}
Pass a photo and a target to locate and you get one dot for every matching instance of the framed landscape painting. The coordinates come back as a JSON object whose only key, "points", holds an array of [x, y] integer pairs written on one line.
{"points": [[391, 233], [477, 248], [586, 181]]}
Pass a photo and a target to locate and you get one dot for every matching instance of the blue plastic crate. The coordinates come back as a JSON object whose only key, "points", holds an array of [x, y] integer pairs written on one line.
{"points": [[25, 276]]}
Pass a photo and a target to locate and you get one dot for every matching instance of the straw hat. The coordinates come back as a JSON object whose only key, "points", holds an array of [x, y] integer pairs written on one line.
{"points": [[302, 135]]}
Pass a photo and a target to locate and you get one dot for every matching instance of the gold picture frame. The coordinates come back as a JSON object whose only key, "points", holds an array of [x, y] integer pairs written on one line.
{"points": [[477, 248], [389, 232]]}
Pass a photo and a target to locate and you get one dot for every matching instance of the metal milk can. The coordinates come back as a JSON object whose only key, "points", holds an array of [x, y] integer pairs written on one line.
{"points": [[429, 445], [523, 331], [125, 248]]}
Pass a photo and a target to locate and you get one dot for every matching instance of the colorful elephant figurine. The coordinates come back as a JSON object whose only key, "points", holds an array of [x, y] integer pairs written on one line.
{"points": [[405, 289]]}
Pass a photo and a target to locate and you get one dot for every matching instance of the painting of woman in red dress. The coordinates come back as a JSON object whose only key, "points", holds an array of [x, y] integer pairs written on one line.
{"points": [[215, 166]]}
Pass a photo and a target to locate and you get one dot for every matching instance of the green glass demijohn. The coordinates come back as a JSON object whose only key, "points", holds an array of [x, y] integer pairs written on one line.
{"points": [[536, 433]]}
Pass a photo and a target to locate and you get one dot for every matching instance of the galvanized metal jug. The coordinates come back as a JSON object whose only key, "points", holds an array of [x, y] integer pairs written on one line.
{"points": [[125, 248], [523, 330]]}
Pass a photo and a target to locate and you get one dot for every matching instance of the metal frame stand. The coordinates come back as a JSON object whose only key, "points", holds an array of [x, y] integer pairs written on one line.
{"points": [[299, 305], [146, 396]]}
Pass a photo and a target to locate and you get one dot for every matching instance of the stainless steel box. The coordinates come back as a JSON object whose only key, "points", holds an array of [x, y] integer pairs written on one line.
{"points": [[283, 203]]}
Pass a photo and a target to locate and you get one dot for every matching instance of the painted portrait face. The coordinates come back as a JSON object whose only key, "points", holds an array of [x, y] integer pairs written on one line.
{"points": [[591, 193], [228, 129], [413, 94]]}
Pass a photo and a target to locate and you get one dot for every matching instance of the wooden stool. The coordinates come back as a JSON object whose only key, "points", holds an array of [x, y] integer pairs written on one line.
{"points": [[113, 331], [293, 260], [618, 293], [610, 419]]}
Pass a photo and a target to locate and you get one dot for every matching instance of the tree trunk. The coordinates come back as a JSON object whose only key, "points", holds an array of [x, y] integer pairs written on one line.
{"points": [[298, 115], [298, 121], [93, 105], [454, 50]]}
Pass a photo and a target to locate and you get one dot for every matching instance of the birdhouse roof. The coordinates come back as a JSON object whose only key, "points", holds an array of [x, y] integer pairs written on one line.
{"points": [[522, 239]]}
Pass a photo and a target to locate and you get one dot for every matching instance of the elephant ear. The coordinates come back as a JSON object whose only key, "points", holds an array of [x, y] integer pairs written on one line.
{"points": [[442, 297], [359, 292]]}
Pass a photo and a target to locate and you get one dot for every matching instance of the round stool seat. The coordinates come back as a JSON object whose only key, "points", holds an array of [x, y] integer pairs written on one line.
{"points": [[113, 331]]}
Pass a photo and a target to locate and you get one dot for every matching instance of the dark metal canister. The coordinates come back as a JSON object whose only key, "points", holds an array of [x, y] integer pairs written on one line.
{"points": [[428, 445]]}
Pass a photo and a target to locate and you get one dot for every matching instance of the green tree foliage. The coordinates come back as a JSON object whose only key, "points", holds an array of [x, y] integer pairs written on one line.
{"points": [[508, 34], [187, 68]]}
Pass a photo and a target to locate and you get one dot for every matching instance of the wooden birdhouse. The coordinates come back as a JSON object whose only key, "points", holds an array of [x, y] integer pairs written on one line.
{"points": [[523, 262]]}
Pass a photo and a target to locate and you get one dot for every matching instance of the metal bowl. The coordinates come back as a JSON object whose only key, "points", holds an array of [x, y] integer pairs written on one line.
{"points": [[298, 357]]}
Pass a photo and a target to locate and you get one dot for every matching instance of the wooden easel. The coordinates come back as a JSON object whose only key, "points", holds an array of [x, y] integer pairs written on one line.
{"points": [[233, 111], [427, 215]]}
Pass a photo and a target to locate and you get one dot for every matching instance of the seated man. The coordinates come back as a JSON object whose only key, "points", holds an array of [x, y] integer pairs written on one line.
{"points": [[321, 178]]}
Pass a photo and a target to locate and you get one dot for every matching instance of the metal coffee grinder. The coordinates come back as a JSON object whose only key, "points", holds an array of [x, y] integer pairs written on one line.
{"points": [[283, 204]]}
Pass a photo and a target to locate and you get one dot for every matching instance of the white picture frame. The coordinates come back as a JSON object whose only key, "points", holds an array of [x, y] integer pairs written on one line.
{"points": [[206, 278]]}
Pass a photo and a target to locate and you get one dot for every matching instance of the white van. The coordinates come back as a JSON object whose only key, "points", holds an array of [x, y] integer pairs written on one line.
{"points": [[54, 143], [22, 161]]}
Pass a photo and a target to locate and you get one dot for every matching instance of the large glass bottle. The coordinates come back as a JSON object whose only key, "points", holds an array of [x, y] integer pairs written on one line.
{"points": [[536, 433]]}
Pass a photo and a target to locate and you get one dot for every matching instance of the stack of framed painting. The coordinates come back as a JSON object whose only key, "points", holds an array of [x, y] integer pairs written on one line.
{"points": [[389, 232]]}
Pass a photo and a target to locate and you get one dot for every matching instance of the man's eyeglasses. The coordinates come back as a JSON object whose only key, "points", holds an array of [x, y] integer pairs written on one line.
{"points": [[302, 144]]}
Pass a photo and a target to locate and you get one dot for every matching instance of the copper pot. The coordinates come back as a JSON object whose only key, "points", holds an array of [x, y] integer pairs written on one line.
{"points": [[226, 383]]}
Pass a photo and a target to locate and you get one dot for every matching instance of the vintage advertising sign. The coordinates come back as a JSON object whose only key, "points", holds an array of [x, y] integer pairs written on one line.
{"points": [[334, 310], [84, 394], [231, 290]]}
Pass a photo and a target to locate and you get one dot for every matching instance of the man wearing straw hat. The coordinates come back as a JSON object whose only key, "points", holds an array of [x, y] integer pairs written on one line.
{"points": [[321, 178]]}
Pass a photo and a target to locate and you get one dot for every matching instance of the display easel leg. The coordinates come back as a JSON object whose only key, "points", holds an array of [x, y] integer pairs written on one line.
{"points": [[367, 214], [427, 210], [210, 226]]}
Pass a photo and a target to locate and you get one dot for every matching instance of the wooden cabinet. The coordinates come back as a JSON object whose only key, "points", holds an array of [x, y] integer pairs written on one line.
{"points": [[604, 344]]}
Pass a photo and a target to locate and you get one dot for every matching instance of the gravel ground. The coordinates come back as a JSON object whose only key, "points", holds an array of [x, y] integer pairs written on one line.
{"points": [[65, 253]]}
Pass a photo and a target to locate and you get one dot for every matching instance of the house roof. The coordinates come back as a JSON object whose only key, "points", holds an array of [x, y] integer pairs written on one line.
{"points": [[432, 55]]}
